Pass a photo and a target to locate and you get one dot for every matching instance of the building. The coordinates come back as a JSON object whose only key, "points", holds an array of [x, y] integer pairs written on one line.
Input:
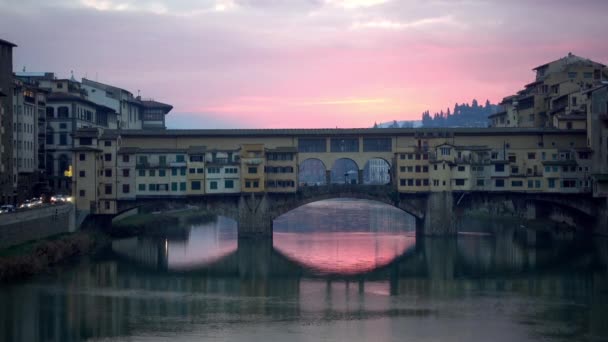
{"points": [[112, 166], [29, 139], [133, 112], [555, 98], [597, 137], [7, 190]]}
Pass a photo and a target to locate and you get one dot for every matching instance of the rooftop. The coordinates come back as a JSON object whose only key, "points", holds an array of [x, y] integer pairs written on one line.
{"points": [[371, 132], [5, 42]]}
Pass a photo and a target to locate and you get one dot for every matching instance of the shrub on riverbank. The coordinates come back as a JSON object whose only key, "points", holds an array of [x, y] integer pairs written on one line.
{"points": [[38, 256], [165, 224]]}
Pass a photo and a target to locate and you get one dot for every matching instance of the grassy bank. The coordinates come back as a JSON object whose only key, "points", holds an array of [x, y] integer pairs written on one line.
{"points": [[160, 224], [37, 257]]}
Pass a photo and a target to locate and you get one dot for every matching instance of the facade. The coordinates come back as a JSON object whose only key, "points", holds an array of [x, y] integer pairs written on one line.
{"points": [[7, 190], [29, 138], [117, 165], [597, 137], [133, 112], [555, 98]]}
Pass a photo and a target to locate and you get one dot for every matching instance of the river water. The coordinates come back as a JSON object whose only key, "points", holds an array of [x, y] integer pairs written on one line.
{"points": [[338, 270]]}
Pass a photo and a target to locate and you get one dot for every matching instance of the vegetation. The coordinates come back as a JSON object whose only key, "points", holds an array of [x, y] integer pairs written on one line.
{"points": [[463, 115], [39, 256], [162, 224]]}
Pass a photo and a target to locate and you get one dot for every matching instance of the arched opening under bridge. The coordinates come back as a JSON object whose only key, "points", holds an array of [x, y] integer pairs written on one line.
{"points": [[312, 172], [377, 171], [344, 171]]}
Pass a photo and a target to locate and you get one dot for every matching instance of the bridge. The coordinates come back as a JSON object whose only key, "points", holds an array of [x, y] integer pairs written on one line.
{"points": [[254, 176], [435, 213]]}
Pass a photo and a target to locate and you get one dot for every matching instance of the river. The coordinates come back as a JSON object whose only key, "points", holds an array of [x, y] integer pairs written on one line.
{"points": [[337, 270]]}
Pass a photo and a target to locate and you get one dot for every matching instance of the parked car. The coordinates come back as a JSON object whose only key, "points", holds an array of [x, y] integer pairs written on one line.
{"points": [[26, 204], [59, 199], [7, 208]]}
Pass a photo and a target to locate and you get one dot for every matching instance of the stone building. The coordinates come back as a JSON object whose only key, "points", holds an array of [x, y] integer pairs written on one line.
{"points": [[7, 190]]}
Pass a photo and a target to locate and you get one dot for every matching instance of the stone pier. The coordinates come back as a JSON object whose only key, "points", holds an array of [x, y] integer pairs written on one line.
{"points": [[439, 218]]}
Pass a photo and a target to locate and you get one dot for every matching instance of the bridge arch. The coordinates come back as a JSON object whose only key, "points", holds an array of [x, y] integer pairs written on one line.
{"points": [[344, 171], [377, 171], [312, 172]]}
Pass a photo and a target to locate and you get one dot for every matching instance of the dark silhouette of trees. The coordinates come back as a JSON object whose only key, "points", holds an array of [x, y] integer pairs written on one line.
{"points": [[463, 115]]}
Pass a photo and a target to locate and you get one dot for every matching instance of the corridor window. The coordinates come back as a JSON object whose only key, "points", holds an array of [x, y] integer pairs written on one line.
{"points": [[377, 145], [312, 145], [345, 144]]}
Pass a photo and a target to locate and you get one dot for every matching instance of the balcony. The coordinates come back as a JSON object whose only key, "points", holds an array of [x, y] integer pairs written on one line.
{"points": [[252, 161]]}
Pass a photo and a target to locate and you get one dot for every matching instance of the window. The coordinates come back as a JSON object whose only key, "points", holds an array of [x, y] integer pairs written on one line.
{"points": [[63, 112], [514, 169], [572, 74], [126, 189], [402, 169], [108, 189], [402, 156], [197, 158], [247, 184], [480, 182], [174, 172], [517, 184], [108, 172], [551, 183], [180, 158], [213, 185], [512, 159], [191, 170], [152, 173], [63, 139], [425, 168], [445, 151], [151, 187], [499, 167], [418, 182], [107, 143], [460, 182], [530, 184], [410, 182], [229, 184], [494, 155], [162, 173], [141, 187], [162, 160], [569, 125], [252, 169], [312, 145], [142, 173], [462, 168], [402, 182], [214, 170], [174, 186], [86, 141], [500, 183], [125, 158], [82, 157], [345, 145], [182, 171], [81, 173], [195, 185], [425, 182], [531, 155], [107, 157], [417, 168], [537, 183], [377, 145], [588, 75], [200, 170], [182, 186]]}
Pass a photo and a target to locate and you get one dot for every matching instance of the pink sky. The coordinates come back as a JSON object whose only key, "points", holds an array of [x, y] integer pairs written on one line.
{"points": [[303, 63]]}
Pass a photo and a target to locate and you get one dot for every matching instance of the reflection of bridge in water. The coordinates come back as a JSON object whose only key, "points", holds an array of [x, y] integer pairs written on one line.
{"points": [[468, 256]]}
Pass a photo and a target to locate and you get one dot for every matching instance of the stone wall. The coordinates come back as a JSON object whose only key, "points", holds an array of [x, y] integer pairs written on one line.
{"points": [[34, 224]]}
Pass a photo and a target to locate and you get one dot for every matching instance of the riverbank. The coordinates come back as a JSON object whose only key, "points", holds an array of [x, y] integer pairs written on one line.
{"points": [[170, 223], [40, 256]]}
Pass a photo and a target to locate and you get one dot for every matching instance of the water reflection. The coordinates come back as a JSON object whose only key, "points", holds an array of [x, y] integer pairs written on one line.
{"points": [[468, 288]]}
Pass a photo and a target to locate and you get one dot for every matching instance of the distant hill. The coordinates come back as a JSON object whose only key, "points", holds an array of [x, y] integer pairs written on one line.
{"points": [[463, 115]]}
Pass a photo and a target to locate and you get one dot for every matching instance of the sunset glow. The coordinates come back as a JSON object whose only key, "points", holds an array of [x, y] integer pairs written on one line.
{"points": [[326, 63]]}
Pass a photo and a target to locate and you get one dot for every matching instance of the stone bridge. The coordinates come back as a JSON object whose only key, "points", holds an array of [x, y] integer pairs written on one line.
{"points": [[436, 213]]}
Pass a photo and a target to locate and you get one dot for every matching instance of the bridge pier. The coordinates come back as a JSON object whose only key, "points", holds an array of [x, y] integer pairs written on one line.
{"points": [[439, 218], [255, 218]]}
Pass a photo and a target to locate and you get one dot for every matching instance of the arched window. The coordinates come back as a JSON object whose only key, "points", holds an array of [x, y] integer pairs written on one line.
{"points": [[64, 164], [63, 112], [50, 112]]}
